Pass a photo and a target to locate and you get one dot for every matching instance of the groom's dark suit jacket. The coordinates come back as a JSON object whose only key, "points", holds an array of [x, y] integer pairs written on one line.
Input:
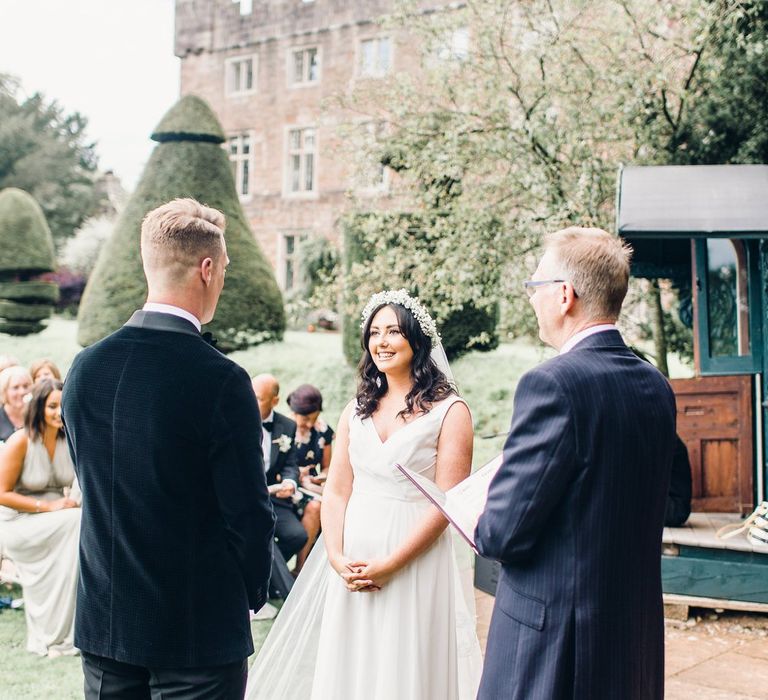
{"points": [[177, 524], [575, 515]]}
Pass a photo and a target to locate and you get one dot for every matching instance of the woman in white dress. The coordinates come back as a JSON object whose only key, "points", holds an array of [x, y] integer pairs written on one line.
{"points": [[378, 611], [40, 521]]}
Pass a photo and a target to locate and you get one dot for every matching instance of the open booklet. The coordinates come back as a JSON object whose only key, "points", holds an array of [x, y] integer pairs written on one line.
{"points": [[462, 504]]}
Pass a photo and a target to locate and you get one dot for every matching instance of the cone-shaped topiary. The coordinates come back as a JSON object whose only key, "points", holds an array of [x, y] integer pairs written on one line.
{"points": [[188, 162], [26, 250]]}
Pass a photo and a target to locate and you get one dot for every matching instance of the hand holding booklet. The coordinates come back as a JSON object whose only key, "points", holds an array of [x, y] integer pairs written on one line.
{"points": [[462, 504]]}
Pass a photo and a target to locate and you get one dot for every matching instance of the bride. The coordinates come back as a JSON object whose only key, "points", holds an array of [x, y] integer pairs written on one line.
{"points": [[378, 611]]}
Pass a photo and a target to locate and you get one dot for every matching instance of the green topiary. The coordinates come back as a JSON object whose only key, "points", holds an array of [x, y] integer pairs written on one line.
{"points": [[26, 250], [186, 163], [34, 290], [26, 245]]}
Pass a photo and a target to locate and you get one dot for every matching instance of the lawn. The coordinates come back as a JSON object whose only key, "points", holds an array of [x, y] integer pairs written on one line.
{"points": [[486, 380]]}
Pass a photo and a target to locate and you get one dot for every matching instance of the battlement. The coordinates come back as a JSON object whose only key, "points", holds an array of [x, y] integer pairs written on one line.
{"points": [[219, 25]]}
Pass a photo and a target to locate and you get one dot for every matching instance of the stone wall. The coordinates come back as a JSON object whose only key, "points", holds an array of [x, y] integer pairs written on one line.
{"points": [[210, 33]]}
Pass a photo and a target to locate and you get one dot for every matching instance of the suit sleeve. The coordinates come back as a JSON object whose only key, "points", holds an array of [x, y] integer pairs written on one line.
{"points": [[538, 465], [240, 484]]}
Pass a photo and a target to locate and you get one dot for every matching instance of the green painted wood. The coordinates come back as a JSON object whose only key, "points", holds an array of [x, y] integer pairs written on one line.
{"points": [[717, 574]]}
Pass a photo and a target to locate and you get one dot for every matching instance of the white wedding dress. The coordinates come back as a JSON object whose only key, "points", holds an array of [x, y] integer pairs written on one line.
{"points": [[412, 640]]}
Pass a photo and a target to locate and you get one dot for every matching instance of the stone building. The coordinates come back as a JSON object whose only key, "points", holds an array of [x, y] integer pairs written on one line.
{"points": [[269, 69]]}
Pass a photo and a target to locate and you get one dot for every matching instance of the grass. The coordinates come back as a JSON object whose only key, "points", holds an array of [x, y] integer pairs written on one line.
{"points": [[487, 381]]}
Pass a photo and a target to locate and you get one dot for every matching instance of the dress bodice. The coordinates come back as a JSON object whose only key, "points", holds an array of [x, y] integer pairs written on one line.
{"points": [[41, 476], [413, 446]]}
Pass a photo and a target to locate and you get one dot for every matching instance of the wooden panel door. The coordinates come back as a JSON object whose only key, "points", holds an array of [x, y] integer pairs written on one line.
{"points": [[714, 419]]}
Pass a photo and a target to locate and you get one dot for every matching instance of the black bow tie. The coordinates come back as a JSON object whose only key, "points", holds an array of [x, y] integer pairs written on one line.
{"points": [[208, 338], [267, 425]]}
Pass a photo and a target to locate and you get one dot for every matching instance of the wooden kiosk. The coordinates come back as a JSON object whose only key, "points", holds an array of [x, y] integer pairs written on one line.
{"points": [[705, 228]]}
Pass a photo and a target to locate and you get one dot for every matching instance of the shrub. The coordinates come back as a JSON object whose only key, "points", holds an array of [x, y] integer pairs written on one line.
{"points": [[26, 251], [187, 162]]}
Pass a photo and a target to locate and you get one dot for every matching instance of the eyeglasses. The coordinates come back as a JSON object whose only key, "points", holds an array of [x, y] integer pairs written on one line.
{"points": [[532, 285]]}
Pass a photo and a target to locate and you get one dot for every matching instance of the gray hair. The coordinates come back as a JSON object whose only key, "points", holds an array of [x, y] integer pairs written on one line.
{"points": [[597, 265]]}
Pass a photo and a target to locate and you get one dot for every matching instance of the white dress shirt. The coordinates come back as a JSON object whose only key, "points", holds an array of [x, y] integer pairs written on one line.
{"points": [[266, 441], [174, 311], [581, 335], [266, 448]]}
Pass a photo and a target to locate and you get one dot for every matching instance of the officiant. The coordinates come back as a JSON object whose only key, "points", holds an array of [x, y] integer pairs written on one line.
{"points": [[279, 447]]}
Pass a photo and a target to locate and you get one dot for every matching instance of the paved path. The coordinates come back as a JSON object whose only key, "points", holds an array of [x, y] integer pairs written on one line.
{"points": [[706, 659]]}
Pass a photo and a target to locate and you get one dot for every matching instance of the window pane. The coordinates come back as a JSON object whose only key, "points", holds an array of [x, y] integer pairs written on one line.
{"points": [[298, 67], [383, 56], [312, 61], [235, 83], [728, 309], [248, 74], [309, 172], [295, 173], [290, 244], [246, 175], [309, 139], [367, 57], [233, 146], [289, 274], [294, 140]]}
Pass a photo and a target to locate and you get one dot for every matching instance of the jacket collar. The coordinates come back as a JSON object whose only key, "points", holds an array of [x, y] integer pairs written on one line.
{"points": [[154, 321]]}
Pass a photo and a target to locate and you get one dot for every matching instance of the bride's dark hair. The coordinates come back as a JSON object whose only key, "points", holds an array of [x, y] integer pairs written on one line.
{"points": [[429, 383]]}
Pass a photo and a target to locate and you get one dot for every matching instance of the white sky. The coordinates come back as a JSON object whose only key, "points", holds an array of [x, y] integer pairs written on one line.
{"points": [[110, 60]]}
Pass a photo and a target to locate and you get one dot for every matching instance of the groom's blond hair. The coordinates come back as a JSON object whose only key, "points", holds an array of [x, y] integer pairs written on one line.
{"points": [[596, 264], [178, 235]]}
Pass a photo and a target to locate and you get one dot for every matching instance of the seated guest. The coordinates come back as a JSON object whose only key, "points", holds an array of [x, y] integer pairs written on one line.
{"points": [[278, 436], [313, 449], [40, 521], [679, 496], [42, 369], [15, 384]]}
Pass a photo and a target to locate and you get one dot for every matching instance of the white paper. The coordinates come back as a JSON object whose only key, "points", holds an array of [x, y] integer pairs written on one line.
{"points": [[463, 504]]}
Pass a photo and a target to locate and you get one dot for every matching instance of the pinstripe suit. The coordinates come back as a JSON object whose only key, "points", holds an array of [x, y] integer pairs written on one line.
{"points": [[575, 516]]}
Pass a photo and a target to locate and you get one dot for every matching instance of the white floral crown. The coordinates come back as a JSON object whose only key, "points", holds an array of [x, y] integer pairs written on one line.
{"points": [[401, 296]]}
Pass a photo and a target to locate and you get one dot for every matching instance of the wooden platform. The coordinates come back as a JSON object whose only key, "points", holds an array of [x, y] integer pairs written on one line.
{"points": [[700, 569], [700, 531]]}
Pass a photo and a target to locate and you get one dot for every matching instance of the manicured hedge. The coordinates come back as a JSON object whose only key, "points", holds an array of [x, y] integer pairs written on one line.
{"points": [[186, 163], [26, 250], [26, 245]]}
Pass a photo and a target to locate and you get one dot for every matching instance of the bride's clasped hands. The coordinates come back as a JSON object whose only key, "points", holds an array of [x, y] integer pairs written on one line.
{"points": [[365, 576]]}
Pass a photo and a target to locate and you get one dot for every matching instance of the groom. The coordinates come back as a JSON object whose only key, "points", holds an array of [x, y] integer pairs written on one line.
{"points": [[177, 524], [576, 511]]}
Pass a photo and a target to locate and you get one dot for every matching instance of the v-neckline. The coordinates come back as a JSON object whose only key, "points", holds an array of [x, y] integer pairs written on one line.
{"points": [[399, 430]]}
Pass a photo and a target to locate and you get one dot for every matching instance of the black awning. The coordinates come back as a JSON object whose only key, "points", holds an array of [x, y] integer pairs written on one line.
{"points": [[670, 201]]}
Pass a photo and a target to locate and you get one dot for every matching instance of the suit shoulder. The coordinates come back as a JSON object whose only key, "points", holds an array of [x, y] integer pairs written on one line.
{"points": [[289, 425]]}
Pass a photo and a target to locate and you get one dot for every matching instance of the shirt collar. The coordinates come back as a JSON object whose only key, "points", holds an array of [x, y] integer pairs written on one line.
{"points": [[174, 311], [581, 335], [270, 418]]}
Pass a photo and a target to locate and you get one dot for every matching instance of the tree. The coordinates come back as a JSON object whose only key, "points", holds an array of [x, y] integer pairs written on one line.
{"points": [[522, 130], [47, 153], [26, 251], [187, 162], [493, 146]]}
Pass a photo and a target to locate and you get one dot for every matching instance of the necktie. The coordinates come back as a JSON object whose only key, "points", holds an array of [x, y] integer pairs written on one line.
{"points": [[267, 425]]}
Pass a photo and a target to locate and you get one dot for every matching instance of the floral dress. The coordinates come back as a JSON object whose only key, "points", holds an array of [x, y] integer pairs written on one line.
{"points": [[310, 453]]}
